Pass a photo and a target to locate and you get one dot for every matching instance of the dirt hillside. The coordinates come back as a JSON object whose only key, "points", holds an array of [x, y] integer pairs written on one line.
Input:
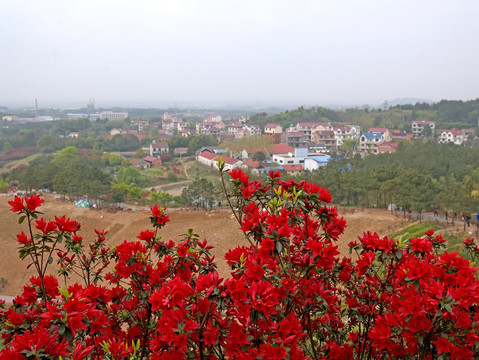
{"points": [[218, 227]]}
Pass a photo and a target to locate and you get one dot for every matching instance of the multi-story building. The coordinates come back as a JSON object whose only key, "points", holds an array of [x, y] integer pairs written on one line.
{"points": [[368, 142], [273, 131], [10, 118], [139, 124], [251, 130], [451, 136], [345, 132], [208, 128], [324, 138], [417, 126], [110, 115], [296, 139], [386, 135], [308, 126], [233, 128]]}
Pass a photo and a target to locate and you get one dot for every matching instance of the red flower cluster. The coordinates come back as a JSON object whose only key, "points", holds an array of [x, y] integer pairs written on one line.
{"points": [[290, 294], [29, 203]]}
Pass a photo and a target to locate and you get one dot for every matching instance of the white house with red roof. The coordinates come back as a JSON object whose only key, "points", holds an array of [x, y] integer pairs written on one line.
{"points": [[451, 136], [206, 157], [345, 132], [275, 149], [158, 148], [230, 163], [210, 159]]}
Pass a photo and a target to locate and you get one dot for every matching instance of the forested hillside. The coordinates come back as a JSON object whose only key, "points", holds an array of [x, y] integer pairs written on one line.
{"points": [[447, 114], [419, 176]]}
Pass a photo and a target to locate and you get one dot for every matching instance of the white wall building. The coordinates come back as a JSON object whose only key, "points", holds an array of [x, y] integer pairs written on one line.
{"points": [[110, 115], [417, 126], [341, 133], [316, 162], [451, 136]]}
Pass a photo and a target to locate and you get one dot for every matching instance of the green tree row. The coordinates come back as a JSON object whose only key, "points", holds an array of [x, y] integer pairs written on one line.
{"points": [[419, 176]]}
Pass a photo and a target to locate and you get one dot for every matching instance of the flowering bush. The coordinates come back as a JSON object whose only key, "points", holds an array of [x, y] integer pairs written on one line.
{"points": [[290, 295]]}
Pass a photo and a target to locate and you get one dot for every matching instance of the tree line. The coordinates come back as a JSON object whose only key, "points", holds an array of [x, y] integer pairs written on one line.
{"points": [[419, 176]]}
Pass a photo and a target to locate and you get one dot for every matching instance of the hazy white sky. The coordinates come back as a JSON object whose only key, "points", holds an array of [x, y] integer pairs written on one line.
{"points": [[320, 51]]}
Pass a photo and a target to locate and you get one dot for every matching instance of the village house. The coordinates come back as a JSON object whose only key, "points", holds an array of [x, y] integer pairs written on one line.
{"points": [[451, 136], [273, 131], [317, 162], [152, 161], [326, 139], [229, 163], [308, 126], [139, 124], [346, 132], [296, 139], [206, 157], [398, 135], [158, 148], [385, 134], [73, 135], [368, 142], [417, 126], [384, 147]]}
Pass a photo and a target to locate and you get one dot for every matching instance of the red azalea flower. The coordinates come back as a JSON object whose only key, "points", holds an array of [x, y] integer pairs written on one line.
{"points": [[182, 251], [66, 224], [247, 192], [430, 232], [274, 174], [82, 352], [23, 239], [146, 235], [14, 318], [33, 202], [77, 239], [45, 227], [159, 215], [17, 204], [240, 176]]}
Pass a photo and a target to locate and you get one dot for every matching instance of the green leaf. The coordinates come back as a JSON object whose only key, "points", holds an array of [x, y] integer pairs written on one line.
{"points": [[448, 307], [279, 247], [21, 218]]}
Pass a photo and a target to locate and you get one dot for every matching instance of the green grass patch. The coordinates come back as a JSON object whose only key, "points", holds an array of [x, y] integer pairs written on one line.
{"points": [[15, 163], [415, 230], [454, 243], [454, 240]]}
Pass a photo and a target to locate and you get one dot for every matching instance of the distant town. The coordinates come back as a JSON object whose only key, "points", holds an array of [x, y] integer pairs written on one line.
{"points": [[304, 145]]}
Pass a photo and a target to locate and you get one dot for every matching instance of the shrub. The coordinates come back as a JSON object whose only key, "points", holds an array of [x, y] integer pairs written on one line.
{"points": [[290, 295]]}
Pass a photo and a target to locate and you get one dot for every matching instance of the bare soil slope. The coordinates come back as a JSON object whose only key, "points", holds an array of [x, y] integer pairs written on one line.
{"points": [[218, 227]]}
